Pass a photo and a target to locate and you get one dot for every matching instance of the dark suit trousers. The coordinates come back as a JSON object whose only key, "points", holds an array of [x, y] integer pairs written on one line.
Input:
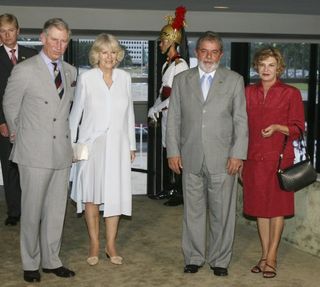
{"points": [[171, 180], [11, 181]]}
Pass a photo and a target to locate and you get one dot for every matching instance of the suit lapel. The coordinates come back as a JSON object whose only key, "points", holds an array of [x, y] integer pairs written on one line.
{"points": [[47, 80], [216, 84], [21, 54], [195, 88], [66, 76], [4, 59]]}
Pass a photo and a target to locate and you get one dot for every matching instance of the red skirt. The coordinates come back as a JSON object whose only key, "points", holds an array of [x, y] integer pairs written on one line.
{"points": [[262, 195]]}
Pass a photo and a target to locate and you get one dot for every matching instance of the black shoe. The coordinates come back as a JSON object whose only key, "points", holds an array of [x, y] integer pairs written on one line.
{"points": [[191, 268], [60, 272], [219, 271], [161, 195], [31, 276], [12, 220], [174, 199]]}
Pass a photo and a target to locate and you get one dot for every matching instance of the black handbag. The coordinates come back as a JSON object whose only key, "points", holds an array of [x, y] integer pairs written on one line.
{"points": [[300, 174]]}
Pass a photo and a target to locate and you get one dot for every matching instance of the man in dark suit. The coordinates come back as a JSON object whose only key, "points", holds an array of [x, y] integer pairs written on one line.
{"points": [[10, 54]]}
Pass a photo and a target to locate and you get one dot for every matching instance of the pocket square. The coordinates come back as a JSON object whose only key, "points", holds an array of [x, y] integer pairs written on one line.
{"points": [[73, 84]]}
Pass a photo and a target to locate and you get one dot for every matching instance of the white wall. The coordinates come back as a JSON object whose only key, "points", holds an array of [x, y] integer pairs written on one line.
{"points": [[152, 21]]}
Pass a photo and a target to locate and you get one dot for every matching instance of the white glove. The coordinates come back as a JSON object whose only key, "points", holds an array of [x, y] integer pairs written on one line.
{"points": [[153, 114]]}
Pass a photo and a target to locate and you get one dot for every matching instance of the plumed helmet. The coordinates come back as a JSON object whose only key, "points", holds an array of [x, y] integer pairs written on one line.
{"points": [[172, 31]]}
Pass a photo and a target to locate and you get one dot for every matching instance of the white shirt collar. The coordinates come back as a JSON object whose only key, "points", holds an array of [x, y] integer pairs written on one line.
{"points": [[201, 73]]}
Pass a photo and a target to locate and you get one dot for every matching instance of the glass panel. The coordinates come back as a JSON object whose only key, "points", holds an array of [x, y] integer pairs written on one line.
{"points": [[33, 43], [136, 63]]}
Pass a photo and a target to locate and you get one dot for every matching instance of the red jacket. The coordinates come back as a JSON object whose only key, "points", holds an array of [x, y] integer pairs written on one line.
{"points": [[282, 105]]}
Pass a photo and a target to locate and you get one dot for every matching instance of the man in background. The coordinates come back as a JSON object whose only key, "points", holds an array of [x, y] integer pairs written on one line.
{"points": [[10, 54], [172, 38]]}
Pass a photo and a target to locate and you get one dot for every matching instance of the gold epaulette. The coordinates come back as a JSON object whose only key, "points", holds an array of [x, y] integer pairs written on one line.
{"points": [[178, 61]]}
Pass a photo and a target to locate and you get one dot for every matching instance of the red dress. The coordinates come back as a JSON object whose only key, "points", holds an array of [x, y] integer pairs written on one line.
{"points": [[262, 196]]}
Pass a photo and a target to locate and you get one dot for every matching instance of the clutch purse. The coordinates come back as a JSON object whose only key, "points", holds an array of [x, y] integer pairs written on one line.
{"points": [[300, 174], [80, 151]]}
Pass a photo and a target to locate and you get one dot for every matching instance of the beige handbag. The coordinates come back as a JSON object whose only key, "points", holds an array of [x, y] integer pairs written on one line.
{"points": [[80, 151]]}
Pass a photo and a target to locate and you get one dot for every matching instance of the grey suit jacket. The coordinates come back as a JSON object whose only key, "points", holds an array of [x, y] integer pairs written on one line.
{"points": [[35, 113], [215, 129]]}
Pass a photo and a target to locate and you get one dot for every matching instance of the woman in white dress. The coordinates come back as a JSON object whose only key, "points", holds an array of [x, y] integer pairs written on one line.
{"points": [[102, 117]]}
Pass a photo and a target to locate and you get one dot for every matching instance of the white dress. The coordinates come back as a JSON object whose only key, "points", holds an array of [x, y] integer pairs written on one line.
{"points": [[107, 127]]}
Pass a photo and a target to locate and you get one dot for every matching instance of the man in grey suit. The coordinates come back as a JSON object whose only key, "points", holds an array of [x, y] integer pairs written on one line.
{"points": [[36, 105], [207, 137]]}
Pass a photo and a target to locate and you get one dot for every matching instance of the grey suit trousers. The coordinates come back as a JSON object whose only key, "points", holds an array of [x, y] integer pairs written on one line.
{"points": [[43, 206], [215, 195]]}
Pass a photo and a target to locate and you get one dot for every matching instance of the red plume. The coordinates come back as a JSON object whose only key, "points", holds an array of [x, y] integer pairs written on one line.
{"points": [[178, 21]]}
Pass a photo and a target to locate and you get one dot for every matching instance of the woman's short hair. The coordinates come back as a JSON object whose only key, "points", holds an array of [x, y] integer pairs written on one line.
{"points": [[105, 41], [265, 53]]}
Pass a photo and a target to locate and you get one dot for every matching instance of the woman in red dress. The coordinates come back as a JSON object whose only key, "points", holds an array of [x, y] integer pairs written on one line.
{"points": [[274, 110]]}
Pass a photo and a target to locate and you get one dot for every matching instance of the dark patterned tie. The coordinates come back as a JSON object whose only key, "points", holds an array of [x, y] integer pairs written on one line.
{"points": [[13, 57], [58, 80]]}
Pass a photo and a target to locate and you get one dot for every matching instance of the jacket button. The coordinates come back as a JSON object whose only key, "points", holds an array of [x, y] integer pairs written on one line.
{"points": [[54, 137], [67, 136], [54, 119], [46, 102]]}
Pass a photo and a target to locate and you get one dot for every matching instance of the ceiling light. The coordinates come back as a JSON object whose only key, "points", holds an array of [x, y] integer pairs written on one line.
{"points": [[221, 7]]}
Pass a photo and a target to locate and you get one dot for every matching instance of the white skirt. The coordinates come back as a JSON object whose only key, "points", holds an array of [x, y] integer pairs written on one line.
{"points": [[105, 178], [88, 176]]}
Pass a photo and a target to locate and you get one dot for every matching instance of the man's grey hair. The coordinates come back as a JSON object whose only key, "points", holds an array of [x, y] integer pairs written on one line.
{"points": [[58, 23], [210, 36]]}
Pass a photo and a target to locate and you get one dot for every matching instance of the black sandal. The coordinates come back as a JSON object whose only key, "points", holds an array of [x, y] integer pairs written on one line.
{"points": [[257, 268], [269, 273]]}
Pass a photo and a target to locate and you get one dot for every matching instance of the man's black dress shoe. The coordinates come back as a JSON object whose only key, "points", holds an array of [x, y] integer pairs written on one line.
{"points": [[174, 199], [12, 220], [219, 271], [60, 272], [31, 276], [161, 195], [191, 268]]}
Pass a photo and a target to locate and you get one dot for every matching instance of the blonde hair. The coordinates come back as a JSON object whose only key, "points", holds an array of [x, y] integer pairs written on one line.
{"points": [[105, 41], [265, 53], [9, 19]]}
